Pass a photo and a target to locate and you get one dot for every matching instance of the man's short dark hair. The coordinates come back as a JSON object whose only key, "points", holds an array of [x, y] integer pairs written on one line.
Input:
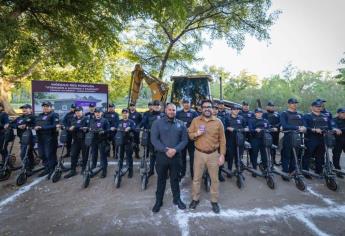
{"points": [[206, 101]]}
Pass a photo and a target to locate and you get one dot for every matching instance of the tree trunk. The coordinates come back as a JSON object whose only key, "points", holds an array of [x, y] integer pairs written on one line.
{"points": [[165, 60], [5, 93]]}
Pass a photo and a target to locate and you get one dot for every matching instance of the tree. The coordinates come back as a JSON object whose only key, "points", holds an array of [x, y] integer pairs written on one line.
{"points": [[171, 38], [60, 34], [239, 83], [341, 76]]}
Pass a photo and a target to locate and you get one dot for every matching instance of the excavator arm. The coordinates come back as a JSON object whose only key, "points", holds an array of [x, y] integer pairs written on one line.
{"points": [[159, 89]]}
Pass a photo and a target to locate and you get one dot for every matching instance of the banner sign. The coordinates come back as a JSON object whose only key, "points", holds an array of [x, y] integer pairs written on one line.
{"points": [[63, 94]]}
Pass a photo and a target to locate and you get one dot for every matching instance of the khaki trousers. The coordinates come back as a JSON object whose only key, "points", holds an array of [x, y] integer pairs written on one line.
{"points": [[211, 162]]}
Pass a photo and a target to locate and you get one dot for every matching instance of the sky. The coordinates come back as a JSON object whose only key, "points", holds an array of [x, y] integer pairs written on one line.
{"points": [[309, 34]]}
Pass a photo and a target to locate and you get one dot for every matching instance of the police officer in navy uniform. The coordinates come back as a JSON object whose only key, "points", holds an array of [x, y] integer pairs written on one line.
{"points": [[127, 126], [67, 122], [224, 119], [22, 123], [315, 122], [101, 126], [77, 128], [186, 115], [150, 109], [113, 119], [291, 120], [339, 139], [323, 108], [4, 123], [256, 126], [235, 122], [91, 113], [273, 118], [246, 113], [46, 124], [147, 123], [136, 117], [221, 110]]}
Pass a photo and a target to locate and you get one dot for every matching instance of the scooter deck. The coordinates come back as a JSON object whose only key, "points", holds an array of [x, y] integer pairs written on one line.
{"points": [[312, 174]]}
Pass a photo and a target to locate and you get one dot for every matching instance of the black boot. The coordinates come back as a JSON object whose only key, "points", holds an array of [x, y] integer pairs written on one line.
{"points": [[220, 177], [157, 207], [179, 204], [150, 173], [70, 174], [104, 173], [215, 207], [130, 173], [193, 204]]}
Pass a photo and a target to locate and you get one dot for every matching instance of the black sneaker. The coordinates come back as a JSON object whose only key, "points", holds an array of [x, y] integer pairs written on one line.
{"points": [[130, 174], [150, 174], [228, 175], [157, 207], [307, 176], [104, 174], [285, 178], [193, 204], [221, 178], [70, 174], [45, 172], [215, 207], [180, 204]]}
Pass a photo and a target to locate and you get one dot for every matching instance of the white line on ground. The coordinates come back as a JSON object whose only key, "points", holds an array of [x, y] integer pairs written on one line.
{"points": [[326, 200], [19, 192], [296, 211], [310, 225]]}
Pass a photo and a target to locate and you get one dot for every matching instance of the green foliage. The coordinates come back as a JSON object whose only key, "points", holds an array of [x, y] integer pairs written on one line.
{"points": [[306, 86], [341, 76], [171, 38]]}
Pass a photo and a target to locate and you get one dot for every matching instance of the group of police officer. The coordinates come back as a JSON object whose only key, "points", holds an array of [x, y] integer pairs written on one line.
{"points": [[106, 124], [312, 124]]}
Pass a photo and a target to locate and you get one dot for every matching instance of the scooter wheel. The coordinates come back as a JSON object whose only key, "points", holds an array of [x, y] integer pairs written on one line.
{"points": [[208, 183], [270, 182], [240, 181], [56, 176], [86, 180], [300, 184], [331, 184], [21, 179], [144, 182], [5, 174], [117, 180]]}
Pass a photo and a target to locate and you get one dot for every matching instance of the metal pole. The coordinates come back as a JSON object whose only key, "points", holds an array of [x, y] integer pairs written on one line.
{"points": [[221, 88]]}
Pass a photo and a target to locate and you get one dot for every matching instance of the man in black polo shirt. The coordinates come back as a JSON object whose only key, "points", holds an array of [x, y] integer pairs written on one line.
{"points": [[169, 137]]}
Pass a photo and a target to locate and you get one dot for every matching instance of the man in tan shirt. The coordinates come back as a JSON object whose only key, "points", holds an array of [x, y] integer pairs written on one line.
{"points": [[208, 133]]}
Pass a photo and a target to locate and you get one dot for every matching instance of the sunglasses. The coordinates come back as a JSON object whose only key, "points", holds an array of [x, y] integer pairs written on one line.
{"points": [[205, 107]]}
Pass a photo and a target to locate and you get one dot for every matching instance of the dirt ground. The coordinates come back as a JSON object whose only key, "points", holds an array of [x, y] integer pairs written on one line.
{"points": [[44, 208]]}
